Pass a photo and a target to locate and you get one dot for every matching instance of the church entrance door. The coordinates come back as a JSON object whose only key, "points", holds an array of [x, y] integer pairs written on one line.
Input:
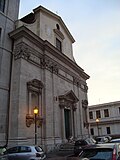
{"points": [[67, 123]]}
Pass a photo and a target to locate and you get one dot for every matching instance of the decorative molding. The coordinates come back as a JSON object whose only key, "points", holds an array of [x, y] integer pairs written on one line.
{"points": [[24, 51], [31, 120], [47, 63], [59, 33], [84, 104], [46, 47], [35, 85], [68, 100], [76, 81], [35, 59]]}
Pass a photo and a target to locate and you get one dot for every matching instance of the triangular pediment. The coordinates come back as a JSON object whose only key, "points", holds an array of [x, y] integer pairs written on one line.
{"points": [[69, 96]]}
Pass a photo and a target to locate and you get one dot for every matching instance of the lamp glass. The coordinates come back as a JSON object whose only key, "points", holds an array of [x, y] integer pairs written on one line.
{"points": [[35, 110], [97, 120]]}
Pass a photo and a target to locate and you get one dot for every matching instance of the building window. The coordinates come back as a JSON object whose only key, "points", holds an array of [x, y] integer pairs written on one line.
{"points": [[92, 131], [58, 27], [2, 5], [106, 113], [34, 99], [119, 110], [108, 130], [58, 45], [98, 115], [34, 94], [91, 115]]}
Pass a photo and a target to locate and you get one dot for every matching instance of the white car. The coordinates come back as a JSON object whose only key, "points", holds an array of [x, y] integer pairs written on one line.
{"points": [[116, 140], [101, 140], [25, 153]]}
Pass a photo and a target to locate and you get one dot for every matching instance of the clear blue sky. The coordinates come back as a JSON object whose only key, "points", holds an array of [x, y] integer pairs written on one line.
{"points": [[95, 25]]}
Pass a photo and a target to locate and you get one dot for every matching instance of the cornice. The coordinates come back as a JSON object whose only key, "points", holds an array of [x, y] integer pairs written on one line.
{"points": [[104, 105], [42, 58], [61, 56], [43, 61], [45, 45], [25, 32], [113, 121]]}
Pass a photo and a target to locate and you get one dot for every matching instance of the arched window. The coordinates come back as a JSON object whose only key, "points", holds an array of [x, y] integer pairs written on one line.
{"points": [[58, 27]]}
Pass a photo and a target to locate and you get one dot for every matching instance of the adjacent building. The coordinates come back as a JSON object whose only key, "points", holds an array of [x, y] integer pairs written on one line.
{"points": [[8, 15], [104, 119], [38, 70]]}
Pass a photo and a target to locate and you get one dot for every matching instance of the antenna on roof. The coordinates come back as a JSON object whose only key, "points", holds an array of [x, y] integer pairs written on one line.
{"points": [[56, 12]]}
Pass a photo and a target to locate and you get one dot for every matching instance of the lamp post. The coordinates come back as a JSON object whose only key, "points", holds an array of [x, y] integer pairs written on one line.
{"points": [[97, 121], [35, 113]]}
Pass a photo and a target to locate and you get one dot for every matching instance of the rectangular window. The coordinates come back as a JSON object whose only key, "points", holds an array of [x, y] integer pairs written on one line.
{"points": [[98, 115], [58, 44], [106, 113], [2, 5], [92, 131], [119, 110], [91, 115], [108, 130]]}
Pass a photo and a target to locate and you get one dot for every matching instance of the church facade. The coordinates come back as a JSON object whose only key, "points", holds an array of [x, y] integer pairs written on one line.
{"points": [[44, 75]]}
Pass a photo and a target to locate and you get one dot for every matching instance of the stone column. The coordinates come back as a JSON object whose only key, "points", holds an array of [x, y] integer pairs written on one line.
{"points": [[62, 123], [72, 121]]}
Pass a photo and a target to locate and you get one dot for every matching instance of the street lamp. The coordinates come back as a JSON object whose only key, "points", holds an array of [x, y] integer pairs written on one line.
{"points": [[97, 121], [36, 113]]}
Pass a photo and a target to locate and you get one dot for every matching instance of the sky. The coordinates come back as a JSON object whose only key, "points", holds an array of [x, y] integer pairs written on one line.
{"points": [[95, 26]]}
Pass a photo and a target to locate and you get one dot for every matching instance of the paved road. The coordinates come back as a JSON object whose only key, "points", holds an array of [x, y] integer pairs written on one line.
{"points": [[61, 156]]}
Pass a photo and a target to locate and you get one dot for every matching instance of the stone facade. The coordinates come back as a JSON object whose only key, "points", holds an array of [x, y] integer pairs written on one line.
{"points": [[8, 14], [45, 74]]}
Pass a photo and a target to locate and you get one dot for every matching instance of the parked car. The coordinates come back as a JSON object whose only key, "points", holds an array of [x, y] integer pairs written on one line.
{"points": [[4, 157], [81, 144], [2, 150], [102, 139], [108, 137], [107, 151], [116, 140], [24, 153]]}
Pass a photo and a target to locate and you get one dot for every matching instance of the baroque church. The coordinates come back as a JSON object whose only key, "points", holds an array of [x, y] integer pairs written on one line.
{"points": [[38, 70]]}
